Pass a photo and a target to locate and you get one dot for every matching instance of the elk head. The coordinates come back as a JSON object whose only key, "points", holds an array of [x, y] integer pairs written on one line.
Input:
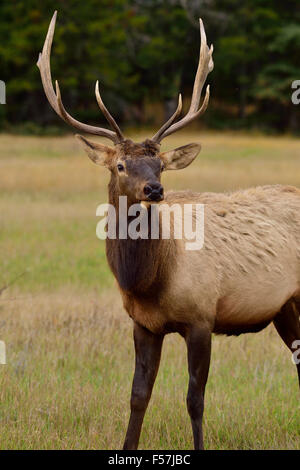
{"points": [[135, 167]]}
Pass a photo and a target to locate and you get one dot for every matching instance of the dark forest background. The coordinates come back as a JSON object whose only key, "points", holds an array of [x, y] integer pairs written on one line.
{"points": [[144, 52]]}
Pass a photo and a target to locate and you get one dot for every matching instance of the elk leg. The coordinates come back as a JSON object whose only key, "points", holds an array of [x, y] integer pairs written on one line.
{"points": [[198, 340], [147, 358], [287, 324]]}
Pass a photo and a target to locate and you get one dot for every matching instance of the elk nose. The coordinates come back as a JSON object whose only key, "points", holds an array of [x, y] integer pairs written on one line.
{"points": [[154, 191]]}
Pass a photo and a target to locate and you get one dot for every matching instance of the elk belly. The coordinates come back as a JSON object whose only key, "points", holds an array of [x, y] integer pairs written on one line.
{"points": [[252, 307]]}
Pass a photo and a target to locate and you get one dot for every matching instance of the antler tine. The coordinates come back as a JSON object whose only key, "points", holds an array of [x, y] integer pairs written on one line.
{"points": [[156, 137], [55, 98], [205, 66], [107, 114]]}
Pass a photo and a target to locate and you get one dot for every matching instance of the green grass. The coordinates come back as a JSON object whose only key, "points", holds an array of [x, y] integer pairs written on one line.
{"points": [[70, 353], [67, 382], [54, 253]]}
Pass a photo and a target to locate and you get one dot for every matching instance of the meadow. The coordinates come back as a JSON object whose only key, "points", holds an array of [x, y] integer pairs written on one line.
{"points": [[70, 356]]}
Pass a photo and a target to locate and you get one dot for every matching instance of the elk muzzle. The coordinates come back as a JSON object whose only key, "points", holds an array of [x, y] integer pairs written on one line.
{"points": [[154, 191]]}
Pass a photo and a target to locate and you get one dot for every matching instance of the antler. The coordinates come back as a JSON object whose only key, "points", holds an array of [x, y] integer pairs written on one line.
{"points": [[205, 66], [55, 98]]}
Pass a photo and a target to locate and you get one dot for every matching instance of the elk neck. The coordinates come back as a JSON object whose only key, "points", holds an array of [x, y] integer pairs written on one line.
{"points": [[139, 266]]}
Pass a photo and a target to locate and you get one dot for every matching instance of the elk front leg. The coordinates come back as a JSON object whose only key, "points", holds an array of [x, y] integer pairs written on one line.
{"points": [[198, 340], [147, 357]]}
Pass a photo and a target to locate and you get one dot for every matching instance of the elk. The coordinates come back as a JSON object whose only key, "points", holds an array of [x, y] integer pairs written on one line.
{"points": [[246, 275]]}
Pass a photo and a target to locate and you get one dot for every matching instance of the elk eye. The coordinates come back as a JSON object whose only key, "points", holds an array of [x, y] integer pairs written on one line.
{"points": [[162, 167], [120, 167]]}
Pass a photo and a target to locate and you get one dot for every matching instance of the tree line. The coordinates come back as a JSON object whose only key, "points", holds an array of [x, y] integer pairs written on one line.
{"points": [[143, 52]]}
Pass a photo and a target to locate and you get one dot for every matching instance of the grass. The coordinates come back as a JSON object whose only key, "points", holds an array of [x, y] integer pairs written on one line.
{"points": [[70, 353]]}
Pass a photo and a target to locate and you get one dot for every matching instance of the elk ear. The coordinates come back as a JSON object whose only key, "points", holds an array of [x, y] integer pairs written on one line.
{"points": [[98, 153], [180, 157]]}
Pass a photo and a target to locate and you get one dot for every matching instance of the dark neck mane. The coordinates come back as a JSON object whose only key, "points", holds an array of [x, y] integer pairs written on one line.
{"points": [[138, 265]]}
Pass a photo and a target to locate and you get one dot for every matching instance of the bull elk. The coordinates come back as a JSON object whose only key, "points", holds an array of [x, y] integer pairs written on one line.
{"points": [[246, 276]]}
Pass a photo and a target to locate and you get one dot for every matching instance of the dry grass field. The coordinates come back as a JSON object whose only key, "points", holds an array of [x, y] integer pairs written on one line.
{"points": [[69, 344]]}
